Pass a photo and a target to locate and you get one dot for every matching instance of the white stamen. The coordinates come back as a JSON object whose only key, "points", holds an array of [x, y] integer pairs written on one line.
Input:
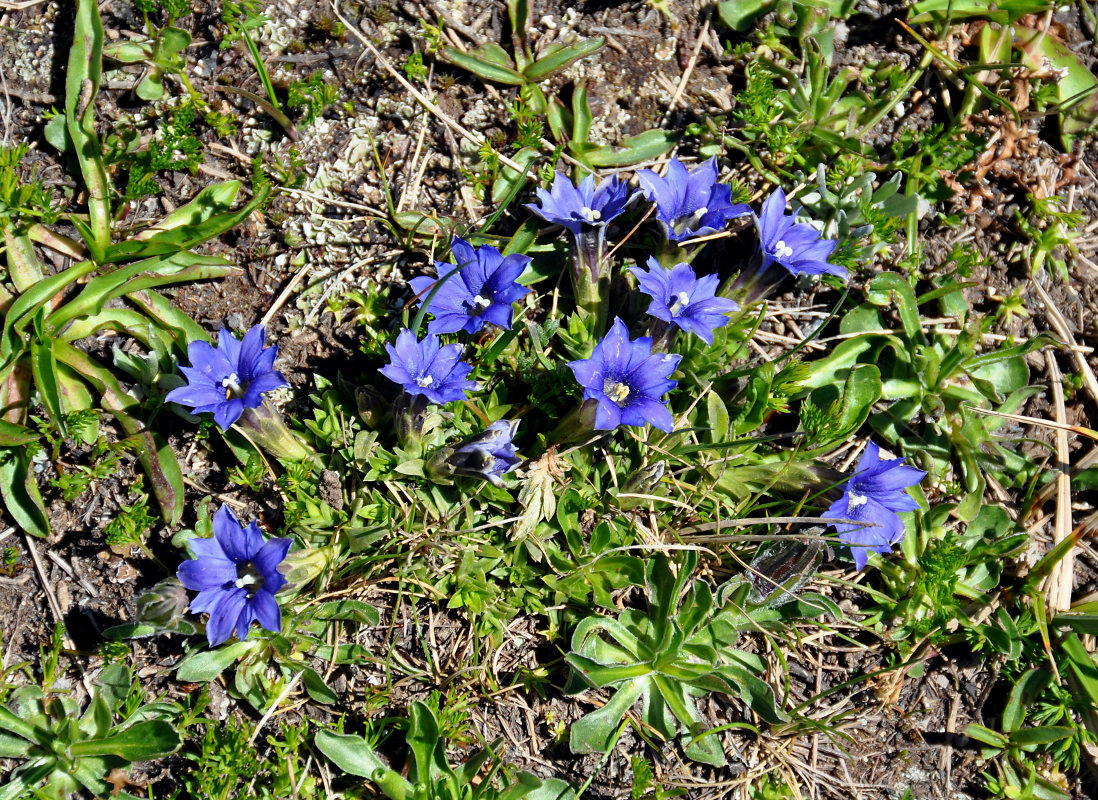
{"points": [[425, 381], [590, 214], [617, 392], [855, 501], [782, 250], [682, 300], [481, 302], [231, 382]]}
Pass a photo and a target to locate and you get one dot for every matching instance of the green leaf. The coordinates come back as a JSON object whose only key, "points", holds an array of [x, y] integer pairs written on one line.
{"points": [[353, 610], [1029, 737], [1022, 694], [560, 57], [642, 147], [986, 736], [206, 222], [153, 452], [740, 15], [204, 206], [27, 776], [140, 742], [12, 435], [485, 63], [82, 77], [19, 490], [205, 665], [890, 288], [353, 755], [172, 41], [317, 687], [1076, 89], [596, 732]]}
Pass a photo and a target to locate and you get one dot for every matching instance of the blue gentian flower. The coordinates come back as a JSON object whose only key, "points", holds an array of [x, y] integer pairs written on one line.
{"points": [[482, 291], [873, 496], [428, 368], [684, 300], [796, 246], [585, 206], [627, 380], [690, 204], [236, 576], [230, 378], [489, 455]]}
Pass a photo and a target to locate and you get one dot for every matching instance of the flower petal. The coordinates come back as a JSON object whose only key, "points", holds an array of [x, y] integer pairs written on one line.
{"points": [[224, 616]]}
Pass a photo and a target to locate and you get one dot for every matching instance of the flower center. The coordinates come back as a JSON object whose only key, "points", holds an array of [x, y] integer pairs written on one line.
{"points": [[425, 381], [782, 250], [592, 215], [686, 223], [232, 386], [617, 391], [856, 500], [248, 577], [478, 304], [682, 300]]}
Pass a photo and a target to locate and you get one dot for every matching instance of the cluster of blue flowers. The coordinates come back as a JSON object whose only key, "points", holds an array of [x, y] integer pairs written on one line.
{"points": [[625, 380]]}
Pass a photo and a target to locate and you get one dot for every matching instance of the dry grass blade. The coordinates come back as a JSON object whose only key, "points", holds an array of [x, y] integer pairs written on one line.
{"points": [[1058, 589], [1059, 323]]}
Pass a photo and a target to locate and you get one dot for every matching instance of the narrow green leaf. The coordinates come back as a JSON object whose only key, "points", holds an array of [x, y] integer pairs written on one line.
{"points": [[481, 64], [559, 58], [140, 742], [153, 452], [643, 147]]}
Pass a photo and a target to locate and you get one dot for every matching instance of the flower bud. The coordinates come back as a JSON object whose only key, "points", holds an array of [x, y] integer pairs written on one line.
{"points": [[488, 455], [301, 567], [163, 604]]}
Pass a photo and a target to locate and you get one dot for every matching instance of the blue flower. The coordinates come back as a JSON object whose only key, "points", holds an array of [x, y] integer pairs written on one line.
{"points": [[489, 455], [582, 207], [796, 246], [482, 291], [236, 576], [683, 299], [231, 378], [690, 204], [627, 380], [873, 496], [428, 369]]}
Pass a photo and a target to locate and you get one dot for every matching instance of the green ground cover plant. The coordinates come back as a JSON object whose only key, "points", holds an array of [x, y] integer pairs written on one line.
{"points": [[558, 431]]}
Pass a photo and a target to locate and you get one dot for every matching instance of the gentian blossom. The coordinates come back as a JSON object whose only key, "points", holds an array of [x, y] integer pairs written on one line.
{"points": [[236, 576], [582, 207], [690, 204], [873, 496], [230, 378], [681, 298], [627, 380], [796, 246], [428, 368], [482, 291], [488, 455]]}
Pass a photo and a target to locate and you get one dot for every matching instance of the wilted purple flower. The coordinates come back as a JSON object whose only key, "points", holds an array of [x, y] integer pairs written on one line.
{"points": [[690, 204], [681, 298], [627, 380], [585, 206], [428, 369], [488, 455], [236, 576], [231, 378], [796, 246], [482, 291], [873, 496]]}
